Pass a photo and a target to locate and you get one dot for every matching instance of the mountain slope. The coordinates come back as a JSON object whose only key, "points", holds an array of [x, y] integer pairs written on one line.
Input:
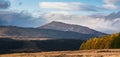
{"points": [[70, 27], [20, 32]]}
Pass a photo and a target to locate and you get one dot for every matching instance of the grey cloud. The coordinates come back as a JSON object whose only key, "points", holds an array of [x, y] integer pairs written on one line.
{"points": [[4, 4], [114, 15], [90, 8], [20, 19], [20, 3], [111, 16]]}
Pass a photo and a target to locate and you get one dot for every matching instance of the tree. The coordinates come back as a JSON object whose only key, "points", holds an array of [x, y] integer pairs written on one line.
{"points": [[105, 42]]}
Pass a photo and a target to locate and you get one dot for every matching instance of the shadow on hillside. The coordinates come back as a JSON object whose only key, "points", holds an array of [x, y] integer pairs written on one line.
{"points": [[8, 45]]}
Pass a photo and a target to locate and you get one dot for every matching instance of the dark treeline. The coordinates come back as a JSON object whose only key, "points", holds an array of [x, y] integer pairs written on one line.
{"points": [[105, 42], [15, 46]]}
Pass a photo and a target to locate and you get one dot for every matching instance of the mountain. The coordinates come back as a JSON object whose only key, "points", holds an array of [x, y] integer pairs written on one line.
{"points": [[71, 27], [21, 39], [28, 33]]}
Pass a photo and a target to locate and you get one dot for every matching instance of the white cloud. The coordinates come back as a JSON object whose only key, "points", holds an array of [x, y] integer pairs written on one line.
{"points": [[99, 24], [60, 12], [68, 6], [111, 4], [60, 5]]}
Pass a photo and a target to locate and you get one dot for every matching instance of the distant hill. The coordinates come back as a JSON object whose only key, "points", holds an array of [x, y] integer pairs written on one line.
{"points": [[105, 42], [19, 32], [71, 27]]}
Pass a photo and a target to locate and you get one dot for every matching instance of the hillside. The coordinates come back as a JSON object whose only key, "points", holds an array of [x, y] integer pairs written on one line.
{"points": [[20, 39], [105, 42], [71, 27], [20, 32]]}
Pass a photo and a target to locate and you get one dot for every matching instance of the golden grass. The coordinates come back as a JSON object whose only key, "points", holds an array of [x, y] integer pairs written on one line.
{"points": [[83, 53]]}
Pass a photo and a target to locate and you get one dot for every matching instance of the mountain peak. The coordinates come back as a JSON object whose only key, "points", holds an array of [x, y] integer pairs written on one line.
{"points": [[64, 24], [55, 25], [55, 22]]}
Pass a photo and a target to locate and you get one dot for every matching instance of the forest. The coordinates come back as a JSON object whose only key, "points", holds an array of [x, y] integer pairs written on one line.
{"points": [[104, 42]]}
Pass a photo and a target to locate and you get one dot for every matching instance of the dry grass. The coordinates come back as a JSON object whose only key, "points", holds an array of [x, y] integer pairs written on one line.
{"points": [[83, 53]]}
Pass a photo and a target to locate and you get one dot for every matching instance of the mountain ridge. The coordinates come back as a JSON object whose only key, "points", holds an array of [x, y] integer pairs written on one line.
{"points": [[56, 30], [70, 27], [20, 32]]}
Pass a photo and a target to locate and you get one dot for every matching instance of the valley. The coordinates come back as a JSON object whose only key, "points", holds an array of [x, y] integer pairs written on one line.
{"points": [[59, 28], [50, 41]]}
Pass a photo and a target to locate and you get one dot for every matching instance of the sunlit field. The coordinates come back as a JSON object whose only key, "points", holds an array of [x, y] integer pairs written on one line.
{"points": [[82, 53]]}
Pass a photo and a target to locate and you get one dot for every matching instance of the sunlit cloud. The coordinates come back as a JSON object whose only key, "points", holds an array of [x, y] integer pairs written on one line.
{"points": [[69, 6], [111, 4]]}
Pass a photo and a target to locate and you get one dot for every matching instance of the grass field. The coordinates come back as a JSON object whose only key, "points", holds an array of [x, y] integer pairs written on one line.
{"points": [[82, 53]]}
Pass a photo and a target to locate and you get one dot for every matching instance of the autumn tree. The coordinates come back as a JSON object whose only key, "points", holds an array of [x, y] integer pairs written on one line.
{"points": [[105, 42]]}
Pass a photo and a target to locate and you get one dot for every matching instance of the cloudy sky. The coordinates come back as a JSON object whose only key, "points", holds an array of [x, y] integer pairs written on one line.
{"points": [[101, 15]]}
